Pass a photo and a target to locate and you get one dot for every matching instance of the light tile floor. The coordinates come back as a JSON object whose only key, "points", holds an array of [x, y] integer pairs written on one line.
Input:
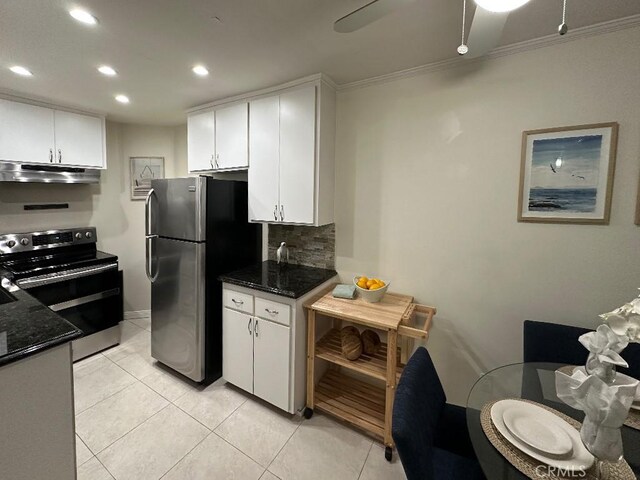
{"points": [[137, 420]]}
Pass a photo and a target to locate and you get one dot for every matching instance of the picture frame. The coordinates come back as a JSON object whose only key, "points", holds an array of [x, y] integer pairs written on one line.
{"points": [[566, 174], [143, 170]]}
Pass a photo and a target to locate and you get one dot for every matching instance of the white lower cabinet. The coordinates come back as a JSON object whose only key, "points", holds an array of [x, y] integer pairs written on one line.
{"points": [[271, 362], [264, 338], [237, 353]]}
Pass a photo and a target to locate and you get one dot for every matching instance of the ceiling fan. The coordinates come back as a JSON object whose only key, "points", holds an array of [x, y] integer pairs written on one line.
{"points": [[486, 29]]}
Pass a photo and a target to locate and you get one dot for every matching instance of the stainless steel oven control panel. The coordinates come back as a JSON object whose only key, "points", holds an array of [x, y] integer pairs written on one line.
{"points": [[26, 242]]}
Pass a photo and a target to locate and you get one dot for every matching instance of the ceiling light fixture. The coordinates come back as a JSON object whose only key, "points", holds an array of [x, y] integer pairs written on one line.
{"points": [[83, 16], [107, 70], [200, 70], [501, 5], [18, 70], [122, 98]]}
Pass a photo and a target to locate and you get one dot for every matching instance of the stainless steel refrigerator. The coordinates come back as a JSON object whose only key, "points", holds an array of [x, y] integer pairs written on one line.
{"points": [[196, 229]]}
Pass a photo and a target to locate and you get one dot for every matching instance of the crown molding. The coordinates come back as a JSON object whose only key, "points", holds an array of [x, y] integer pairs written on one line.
{"points": [[247, 96], [515, 48]]}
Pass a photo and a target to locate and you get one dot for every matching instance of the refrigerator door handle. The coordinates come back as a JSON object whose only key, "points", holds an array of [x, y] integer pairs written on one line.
{"points": [[147, 213], [149, 239]]}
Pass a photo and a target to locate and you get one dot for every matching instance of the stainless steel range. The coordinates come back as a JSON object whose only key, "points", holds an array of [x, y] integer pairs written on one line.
{"points": [[64, 270]]}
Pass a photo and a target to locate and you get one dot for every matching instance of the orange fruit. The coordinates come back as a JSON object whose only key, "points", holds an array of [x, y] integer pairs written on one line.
{"points": [[370, 282], [375, 286], [381, 283], [362, 283]]}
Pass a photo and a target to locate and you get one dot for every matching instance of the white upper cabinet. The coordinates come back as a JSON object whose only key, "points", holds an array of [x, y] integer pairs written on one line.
{"points": [[201, 141], [291, 149], [297, 155], [26, 133], [79, 140], [35, 134], [264, 147], [232, 137]]}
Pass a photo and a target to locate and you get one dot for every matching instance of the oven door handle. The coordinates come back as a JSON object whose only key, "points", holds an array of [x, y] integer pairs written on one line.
{"points": [[38, 281], [84, 300]]}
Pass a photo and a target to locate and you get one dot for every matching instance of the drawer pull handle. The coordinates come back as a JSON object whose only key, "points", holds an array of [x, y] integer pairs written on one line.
{"points": [[238, 303], [271, 312], [249, 326], [255, 328]]}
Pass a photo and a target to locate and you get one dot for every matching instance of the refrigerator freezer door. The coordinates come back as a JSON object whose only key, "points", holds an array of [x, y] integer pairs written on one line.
{"points": [[178, 307], [177, 208]]}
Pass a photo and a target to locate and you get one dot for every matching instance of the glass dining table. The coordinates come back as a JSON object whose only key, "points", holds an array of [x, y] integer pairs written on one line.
{"points": [[530, 381]]}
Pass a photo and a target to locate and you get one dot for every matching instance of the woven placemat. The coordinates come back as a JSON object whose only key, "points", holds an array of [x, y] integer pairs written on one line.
{"points": [[530, 466], [632, 421]]}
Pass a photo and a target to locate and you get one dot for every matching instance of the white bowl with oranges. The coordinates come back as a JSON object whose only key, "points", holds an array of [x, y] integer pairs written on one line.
{"points": [[370, 289]]}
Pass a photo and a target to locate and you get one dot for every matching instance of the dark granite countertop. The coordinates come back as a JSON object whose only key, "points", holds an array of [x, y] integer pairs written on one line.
{"points": [[291, 281], [27, 326]]}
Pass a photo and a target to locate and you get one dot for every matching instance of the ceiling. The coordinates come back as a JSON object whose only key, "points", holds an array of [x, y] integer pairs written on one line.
{"points": [[246, 44]]}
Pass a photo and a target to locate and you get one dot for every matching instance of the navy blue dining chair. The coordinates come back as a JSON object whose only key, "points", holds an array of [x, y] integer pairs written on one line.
{"points": [[431, 435], [556, 343]]}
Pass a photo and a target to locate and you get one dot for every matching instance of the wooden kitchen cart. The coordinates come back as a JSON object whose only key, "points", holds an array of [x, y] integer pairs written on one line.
{"points": [[367, 403]]}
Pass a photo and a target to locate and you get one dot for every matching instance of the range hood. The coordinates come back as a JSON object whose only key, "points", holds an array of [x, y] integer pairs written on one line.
{"points": [[44, 173]]}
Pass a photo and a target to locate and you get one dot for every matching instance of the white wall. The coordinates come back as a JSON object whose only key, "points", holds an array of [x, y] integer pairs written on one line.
{"points": [[427, 187], [107, 206]]}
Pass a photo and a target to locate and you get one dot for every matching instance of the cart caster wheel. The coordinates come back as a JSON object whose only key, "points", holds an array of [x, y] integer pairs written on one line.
{"points": [[388, 453], [308, 413]]}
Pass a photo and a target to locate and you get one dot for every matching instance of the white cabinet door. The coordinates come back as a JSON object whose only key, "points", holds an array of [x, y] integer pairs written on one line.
{"points": [[26, 133], [271, 363], [237, 349], [79, 140], [264, 149], [297, 154], [201, 141], [232, 137]]}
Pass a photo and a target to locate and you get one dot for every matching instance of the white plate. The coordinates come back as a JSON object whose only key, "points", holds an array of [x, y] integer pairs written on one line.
{"points": [[534, 427], [580, 458]]}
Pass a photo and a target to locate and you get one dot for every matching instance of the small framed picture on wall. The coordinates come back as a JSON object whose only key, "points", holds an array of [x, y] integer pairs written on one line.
{"points": [[566, 174], [143, 170]]}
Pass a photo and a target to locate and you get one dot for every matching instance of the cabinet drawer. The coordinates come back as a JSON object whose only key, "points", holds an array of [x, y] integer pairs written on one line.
{"points": [[238, 301], [274, 311]]}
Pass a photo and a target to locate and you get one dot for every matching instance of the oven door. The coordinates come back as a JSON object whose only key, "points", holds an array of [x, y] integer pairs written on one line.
{"points": [[90, 298]]}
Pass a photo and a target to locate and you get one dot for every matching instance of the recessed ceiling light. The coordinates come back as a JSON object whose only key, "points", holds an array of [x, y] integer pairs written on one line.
{"points": [[122, 98], [83, 16], [18, 70], [107, 70], [200, 70]]}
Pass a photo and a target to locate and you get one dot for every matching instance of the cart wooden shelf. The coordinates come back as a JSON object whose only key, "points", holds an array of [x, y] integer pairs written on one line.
{"points": [[330, 348], [360, 403]]}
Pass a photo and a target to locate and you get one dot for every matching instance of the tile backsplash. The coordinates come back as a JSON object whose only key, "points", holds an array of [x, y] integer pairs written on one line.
{"points": [[312, 246]]}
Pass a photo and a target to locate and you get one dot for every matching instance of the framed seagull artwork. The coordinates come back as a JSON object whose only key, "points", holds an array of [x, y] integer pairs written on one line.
{"points": [[566, 174]]}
